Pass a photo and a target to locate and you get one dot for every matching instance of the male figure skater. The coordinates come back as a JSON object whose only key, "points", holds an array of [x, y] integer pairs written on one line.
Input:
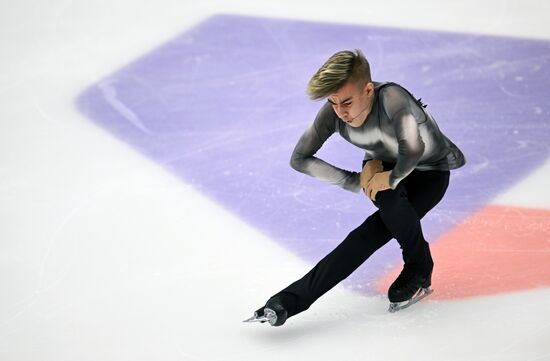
{"points": [[405, 173]]}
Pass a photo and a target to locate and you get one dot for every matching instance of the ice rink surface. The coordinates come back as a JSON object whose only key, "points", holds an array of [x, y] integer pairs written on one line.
{"points": [[114, 246]]}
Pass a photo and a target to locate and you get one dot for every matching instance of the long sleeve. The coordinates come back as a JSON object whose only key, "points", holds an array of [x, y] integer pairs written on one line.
{"points": [[405, 115], [303, 159]]}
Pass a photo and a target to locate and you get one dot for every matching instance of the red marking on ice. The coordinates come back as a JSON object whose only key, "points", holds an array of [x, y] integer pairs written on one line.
{"points": [[497, 250]]}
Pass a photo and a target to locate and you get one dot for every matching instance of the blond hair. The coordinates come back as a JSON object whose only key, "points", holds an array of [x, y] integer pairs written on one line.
{"points": [[336, 71]]}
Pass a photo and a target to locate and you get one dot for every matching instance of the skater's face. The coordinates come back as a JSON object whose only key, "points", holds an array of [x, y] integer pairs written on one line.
{"points": [[353, 102]]}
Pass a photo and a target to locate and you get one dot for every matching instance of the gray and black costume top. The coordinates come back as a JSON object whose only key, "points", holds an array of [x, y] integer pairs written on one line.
{"points": [[397, 130]]}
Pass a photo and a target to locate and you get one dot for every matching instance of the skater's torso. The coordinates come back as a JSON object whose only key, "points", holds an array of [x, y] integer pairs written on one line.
{"points": [[385, 135]]}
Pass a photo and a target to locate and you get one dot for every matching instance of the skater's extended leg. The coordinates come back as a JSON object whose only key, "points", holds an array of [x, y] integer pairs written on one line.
{"points": [[359, 245]]}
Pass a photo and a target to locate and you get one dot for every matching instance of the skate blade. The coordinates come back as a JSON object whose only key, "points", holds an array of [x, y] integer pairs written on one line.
{"points": [[422, 293], [269, 316], [257, 319]]}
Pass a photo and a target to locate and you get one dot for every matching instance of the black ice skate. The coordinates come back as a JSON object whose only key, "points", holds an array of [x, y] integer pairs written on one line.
{"points": [[409, 288], [273, 312]]}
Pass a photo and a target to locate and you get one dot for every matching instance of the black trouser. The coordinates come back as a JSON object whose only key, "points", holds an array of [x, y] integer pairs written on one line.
{"points": [[398, 216]]}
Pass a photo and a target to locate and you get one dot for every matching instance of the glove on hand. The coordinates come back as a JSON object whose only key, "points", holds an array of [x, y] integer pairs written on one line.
{"points": [[369, 170]]}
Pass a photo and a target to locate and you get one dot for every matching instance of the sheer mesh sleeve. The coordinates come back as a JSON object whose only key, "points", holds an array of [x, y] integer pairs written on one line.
{"points": [[405, 115], [303, 159]]}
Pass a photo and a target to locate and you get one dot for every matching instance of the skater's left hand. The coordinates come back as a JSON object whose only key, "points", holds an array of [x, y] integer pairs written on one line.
{"points": [[380, 182]]}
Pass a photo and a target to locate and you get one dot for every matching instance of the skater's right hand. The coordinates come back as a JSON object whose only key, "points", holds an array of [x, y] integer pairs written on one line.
{"points": [[369, 170]]}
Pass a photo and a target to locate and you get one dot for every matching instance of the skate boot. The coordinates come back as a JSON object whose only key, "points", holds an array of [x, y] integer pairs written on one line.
{"points": [[273, 312], [410, 287]]}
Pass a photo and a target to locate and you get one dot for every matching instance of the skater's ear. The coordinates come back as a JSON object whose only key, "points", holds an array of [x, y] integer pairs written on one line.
{"points": [[368, 89]]}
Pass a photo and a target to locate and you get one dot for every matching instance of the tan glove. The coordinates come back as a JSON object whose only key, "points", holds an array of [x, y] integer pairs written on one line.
{"points": [[379, 182], [369, 170]]}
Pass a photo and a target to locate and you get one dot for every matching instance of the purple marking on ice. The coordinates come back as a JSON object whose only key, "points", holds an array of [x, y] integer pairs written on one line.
{"points": [[223, 105]]}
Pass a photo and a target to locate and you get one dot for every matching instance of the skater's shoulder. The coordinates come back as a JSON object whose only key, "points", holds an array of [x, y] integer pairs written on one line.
{"points": [[326, 117], [396, 99], [326, 111], [391, 90]]}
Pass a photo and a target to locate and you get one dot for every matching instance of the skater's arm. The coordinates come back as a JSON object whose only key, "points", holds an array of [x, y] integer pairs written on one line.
{"points": [[303, 157], [405, 116]]}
